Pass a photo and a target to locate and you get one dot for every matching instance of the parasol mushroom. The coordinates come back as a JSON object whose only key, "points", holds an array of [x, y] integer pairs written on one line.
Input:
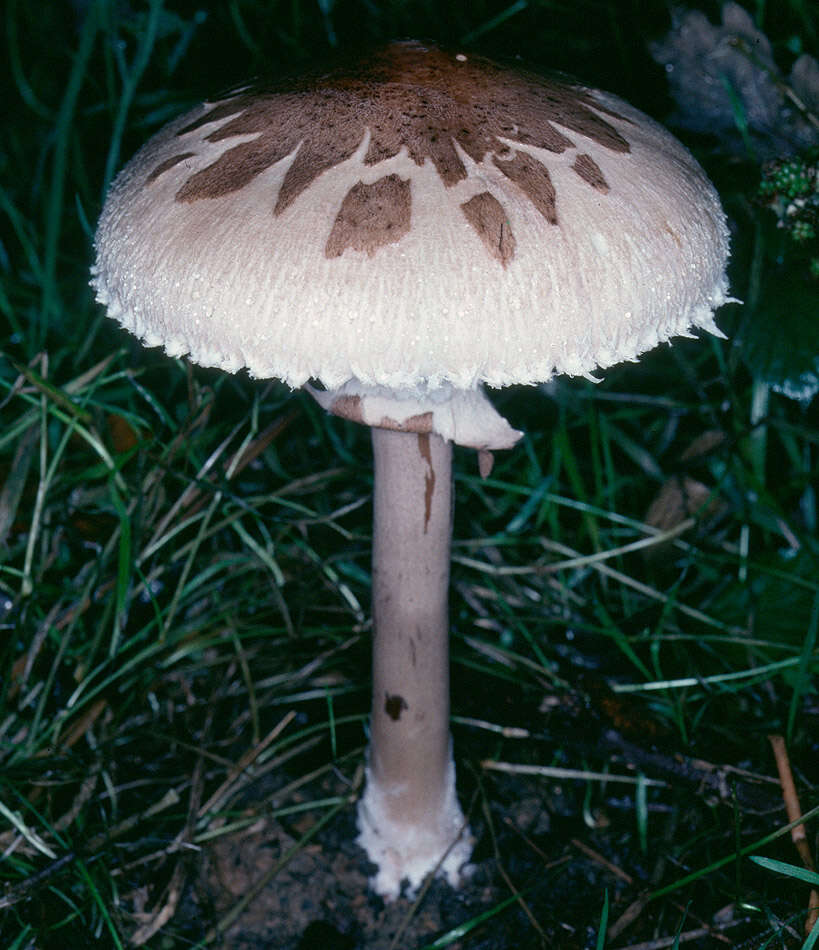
{"points": [[403, 231]]}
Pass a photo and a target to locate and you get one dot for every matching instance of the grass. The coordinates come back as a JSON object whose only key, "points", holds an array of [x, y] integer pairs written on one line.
{"points": [[184, 556]]}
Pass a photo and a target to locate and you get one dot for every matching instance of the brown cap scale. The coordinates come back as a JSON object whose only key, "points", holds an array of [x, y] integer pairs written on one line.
{"points": [[404, 231]]}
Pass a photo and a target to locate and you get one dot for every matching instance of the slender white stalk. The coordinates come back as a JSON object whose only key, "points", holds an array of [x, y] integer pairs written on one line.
{"points": [[409, 814]]}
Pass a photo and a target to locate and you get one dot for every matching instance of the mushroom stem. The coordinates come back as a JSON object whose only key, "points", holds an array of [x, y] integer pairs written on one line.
{"points": [[409, 814]]}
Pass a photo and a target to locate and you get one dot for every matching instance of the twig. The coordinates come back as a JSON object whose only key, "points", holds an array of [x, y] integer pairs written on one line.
{"points": [[172, 894], [627, 918], [512, 888], [661, 942], [794, 813], [603, 862]]}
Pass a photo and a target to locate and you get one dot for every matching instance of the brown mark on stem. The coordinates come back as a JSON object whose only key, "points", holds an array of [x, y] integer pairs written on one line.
{"points": [[394, 706], [429, 478]]}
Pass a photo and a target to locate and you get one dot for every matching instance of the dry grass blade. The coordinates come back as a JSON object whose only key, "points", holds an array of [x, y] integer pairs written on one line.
{"points": [[15, 481], [548, 771], [216, 800]]}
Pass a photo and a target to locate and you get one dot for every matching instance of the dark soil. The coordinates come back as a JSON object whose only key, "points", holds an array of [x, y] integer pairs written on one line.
{"points": [[321, 897], [547, 852]]}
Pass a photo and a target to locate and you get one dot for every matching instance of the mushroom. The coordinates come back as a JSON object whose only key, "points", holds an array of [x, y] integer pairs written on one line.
{"points": [[402, 231]]}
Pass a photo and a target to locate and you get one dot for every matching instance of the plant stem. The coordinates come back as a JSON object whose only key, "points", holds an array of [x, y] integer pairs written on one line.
{"points": [[409, 815], [411, 549]]}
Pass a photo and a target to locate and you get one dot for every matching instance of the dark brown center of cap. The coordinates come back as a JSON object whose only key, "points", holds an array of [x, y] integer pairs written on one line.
{"points": [[407, 96]]}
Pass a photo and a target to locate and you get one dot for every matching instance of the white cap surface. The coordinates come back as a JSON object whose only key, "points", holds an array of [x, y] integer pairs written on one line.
{"points": [[423, 219]]}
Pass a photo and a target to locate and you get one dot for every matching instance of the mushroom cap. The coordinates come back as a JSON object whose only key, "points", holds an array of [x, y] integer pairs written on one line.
{"points": [[418, 220]]}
